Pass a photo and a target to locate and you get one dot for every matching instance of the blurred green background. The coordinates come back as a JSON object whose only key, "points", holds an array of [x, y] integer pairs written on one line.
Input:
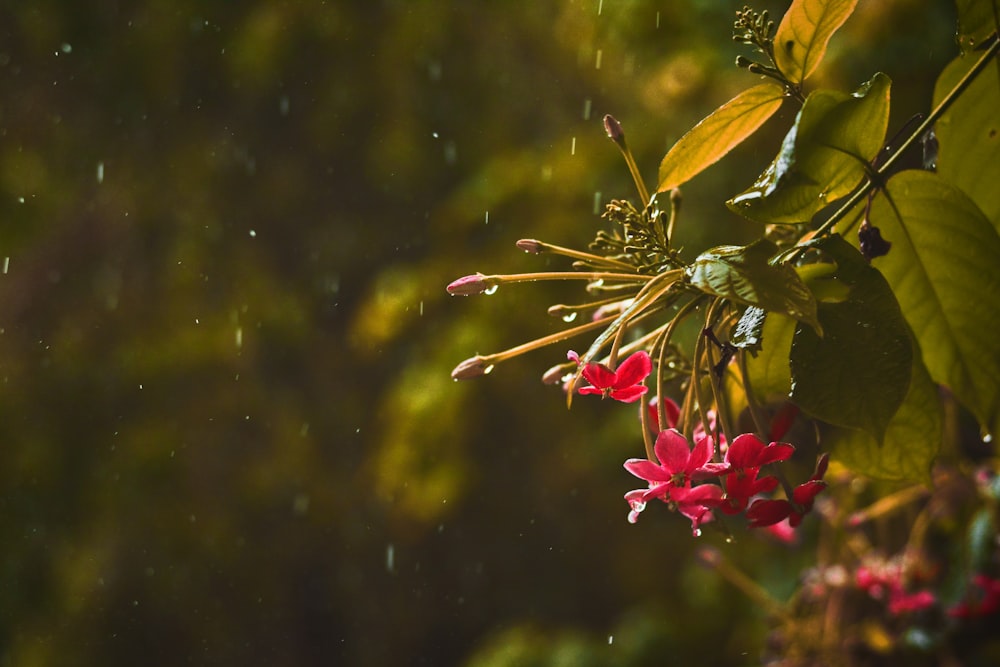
{"points": [[227, 429]]}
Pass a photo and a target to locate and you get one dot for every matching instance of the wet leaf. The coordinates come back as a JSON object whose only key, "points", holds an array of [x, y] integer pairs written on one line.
{"points": [[969, 136], [944, 271], [976, 20], [718, 133], [743, 274], [912, 439], [823, 156], [804, 32], [749, 330], [858, 373]]}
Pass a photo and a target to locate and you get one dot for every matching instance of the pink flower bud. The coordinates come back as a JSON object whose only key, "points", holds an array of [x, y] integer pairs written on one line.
{"points": [[530, 245], [477, 283], [614, 130], [471, 368]]}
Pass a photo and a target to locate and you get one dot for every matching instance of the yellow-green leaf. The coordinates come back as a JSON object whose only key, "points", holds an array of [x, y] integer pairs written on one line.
{"points": [[976, 20], [943, 267], [717, 134], [804, 32], [968, 136]]}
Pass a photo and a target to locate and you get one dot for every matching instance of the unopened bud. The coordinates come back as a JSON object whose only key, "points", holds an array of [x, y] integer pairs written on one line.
{"points": [[477, 283], [614, 130], [471, 368], [555, 374], [743, 61], [530, 245]]}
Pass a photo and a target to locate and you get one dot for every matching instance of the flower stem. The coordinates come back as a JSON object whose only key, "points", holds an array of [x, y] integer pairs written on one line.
{"points": [[557, 337], [538, 247]]}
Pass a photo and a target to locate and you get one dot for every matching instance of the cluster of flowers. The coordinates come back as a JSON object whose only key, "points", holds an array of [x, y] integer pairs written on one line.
{"points": [[692, 480], [890, 581]]}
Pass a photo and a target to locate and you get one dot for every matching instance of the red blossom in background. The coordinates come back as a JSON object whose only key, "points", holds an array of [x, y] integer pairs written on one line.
{"points": [[984, 602], [625, 384], [886, 582]]}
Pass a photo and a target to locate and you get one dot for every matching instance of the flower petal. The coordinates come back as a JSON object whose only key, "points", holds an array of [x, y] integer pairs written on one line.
{"points": [[774, 452], [647, 470], [629, 394], [700, 455], [672, 450], [804, 493], [633, 370], [599, 375], [768, 512], [744, 450]]}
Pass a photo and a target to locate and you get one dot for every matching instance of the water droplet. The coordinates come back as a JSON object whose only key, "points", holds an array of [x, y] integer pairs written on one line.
{"points": [[572, 147], [696, 532], [100, 172], [611, 640], [488, 370], [586, 108], [597, 63], [569, 317], [491, 289]]}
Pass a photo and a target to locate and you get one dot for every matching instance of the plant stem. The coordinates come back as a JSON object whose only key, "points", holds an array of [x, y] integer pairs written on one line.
{"points": [[932, 118]]}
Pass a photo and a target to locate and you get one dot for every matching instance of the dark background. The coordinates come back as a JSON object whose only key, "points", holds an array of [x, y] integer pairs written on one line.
{"points": [[227, 429]]}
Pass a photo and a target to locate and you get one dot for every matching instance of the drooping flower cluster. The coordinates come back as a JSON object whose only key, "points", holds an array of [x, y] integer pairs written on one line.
{"points": [[674, 479]]}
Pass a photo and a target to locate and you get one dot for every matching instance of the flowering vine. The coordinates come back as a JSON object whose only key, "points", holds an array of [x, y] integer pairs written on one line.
{"points": [[868, 340]]}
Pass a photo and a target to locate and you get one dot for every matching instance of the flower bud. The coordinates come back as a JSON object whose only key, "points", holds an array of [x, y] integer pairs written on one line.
{"points": [[530, 245], [471, 368], [477, 283], [614, 130], [555, 374]]}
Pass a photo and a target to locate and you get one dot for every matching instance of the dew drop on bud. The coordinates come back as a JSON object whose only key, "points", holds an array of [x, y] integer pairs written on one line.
{"points": [[488, 369], [569, 317], [491, 290]]}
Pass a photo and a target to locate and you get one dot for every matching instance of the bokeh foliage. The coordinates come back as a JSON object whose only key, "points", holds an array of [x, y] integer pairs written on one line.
{"points": [[227, 428]]}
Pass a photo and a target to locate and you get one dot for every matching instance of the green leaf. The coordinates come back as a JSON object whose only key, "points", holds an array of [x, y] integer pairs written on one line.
{"points": [[744, 275], [912, 439], [969, 136], [718, 133], [805, 30], [976, 20], [822, 157], [769, 373], [858, 373], [944, 267]]}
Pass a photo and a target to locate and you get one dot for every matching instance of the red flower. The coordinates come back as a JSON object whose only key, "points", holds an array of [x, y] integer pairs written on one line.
{"points": [[745, 456], [625, 384], [769, 512]]}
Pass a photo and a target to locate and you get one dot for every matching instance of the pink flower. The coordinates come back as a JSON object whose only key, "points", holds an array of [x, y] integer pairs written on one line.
{"points": [[885, 581], [671, 479], [625, 384], [768, 512]]}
